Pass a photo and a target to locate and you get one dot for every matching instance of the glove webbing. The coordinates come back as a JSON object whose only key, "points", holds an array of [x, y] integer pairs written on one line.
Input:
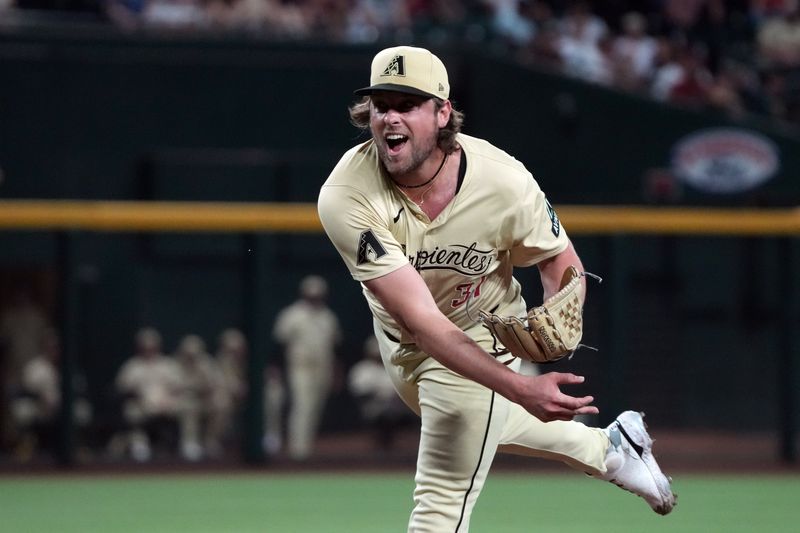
{"points": [[496, 352]]}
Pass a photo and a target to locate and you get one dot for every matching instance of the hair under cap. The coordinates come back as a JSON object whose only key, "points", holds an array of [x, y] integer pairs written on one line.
{"points": [[410, 70]]}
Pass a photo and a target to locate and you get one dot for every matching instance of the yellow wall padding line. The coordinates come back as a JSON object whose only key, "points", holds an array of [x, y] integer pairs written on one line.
{"points": [[607, 220], [159, 216], [302, 218]]}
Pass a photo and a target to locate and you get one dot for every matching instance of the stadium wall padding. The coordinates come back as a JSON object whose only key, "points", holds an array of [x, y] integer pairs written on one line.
{"points": [[110, 116]]}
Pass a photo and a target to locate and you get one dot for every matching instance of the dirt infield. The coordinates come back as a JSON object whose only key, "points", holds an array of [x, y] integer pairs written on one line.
{"points": [[677, 451]]}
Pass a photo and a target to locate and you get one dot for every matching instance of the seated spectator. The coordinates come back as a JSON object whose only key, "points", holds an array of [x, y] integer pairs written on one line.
{"points": [[778, 39], [174, 14], [23, 324], [150, 385], [584, 46], [726, 92], [681, 77], [668, 70], [589, 61], [380, 406], [207, 405], [542, 50], [635, 52], [513, 21], [232, 351], [581, 25], [271, 17], [36, 403], [371, 20], [693, 86]]}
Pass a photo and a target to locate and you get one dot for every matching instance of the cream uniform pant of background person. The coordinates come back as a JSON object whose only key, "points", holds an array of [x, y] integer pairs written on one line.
{"points": [[310, 332]]}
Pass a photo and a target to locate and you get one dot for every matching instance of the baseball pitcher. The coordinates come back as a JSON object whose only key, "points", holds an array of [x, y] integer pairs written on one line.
{"points": [[432, 223]]}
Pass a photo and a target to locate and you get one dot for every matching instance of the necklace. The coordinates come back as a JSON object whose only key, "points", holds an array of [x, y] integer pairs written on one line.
{"points": [[429, 183], [441, 165]]}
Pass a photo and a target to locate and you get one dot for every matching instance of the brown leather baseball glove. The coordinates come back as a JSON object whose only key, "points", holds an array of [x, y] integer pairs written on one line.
{"points": [[550, 331]]}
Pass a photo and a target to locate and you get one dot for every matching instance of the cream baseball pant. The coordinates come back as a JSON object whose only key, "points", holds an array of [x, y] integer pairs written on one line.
{"points": [[309, 385], [462, 426]]}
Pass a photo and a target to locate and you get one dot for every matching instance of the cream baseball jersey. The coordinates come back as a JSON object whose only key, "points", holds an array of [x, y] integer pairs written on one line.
{"points": [[498, 219]]}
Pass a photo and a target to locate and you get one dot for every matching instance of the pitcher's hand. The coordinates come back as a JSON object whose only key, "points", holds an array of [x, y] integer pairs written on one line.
{"points": [[542, 397]]}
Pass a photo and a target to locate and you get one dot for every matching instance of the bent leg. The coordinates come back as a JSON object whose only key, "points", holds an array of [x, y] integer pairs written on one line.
{"points": [[462, 422], [458, 441], [579, 446]]}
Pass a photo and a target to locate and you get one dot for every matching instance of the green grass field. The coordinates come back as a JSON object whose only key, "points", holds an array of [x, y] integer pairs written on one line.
{"points": [[352, 503]]}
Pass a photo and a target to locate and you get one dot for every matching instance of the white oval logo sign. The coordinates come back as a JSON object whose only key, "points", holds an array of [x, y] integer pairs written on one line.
{"points": [[725, 161]]}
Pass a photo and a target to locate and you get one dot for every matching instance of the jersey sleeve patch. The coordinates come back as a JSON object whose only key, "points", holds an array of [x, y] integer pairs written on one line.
{"points": [[369, 248], [555, 224]]}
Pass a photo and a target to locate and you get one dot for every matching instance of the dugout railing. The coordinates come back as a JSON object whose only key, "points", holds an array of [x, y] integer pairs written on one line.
{"points": [[615, 224]]}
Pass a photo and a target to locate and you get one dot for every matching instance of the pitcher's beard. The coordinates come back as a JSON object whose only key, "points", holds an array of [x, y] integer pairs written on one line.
{"points": [[403, 166]]}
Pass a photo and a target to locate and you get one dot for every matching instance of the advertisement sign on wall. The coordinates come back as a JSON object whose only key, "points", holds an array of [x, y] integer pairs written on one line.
{"points": [[725, 160]]}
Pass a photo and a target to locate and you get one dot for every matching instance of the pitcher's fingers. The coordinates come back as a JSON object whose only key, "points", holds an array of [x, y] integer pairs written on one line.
{"points": [[569, 414], [572, 403], [567, 378]]}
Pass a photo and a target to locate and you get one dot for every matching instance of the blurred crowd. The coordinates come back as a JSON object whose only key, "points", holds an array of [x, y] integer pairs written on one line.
{"points": [[184, 404], [188, 403], [738, 56]]}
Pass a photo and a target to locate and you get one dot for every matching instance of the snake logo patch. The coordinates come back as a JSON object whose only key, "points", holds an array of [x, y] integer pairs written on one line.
{"points": [[555, 224], [369, 248]]}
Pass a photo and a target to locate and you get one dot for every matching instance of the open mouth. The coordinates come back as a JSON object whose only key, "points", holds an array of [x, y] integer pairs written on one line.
{"points": [[395, 141]]}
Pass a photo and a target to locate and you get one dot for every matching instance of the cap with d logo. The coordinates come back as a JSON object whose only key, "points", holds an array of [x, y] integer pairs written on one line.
{"points": [[408, 69]]}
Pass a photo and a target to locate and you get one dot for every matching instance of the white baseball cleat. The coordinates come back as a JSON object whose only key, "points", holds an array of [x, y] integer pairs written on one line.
{"points": [[630, 463]]}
